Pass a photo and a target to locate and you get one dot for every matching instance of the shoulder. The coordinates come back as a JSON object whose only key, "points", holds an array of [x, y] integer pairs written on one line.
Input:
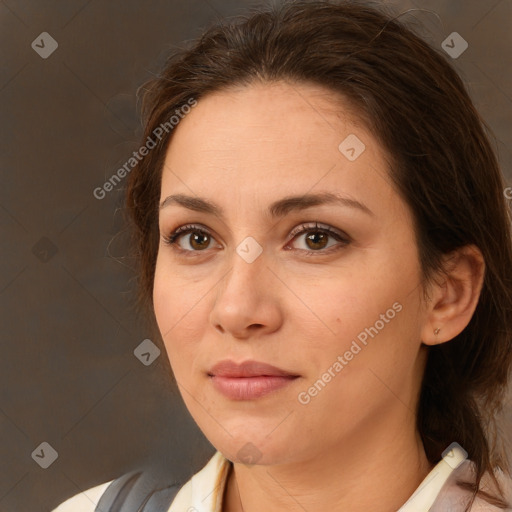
{"points": [[138, 491], [85, 501]]}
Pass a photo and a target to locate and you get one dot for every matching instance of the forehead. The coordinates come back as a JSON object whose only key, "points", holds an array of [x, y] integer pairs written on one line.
{"points": [[266, 112], [261, 140]]}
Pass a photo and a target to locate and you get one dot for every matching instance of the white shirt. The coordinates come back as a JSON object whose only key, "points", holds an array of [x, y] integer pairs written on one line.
{"points": [[204, 491]]}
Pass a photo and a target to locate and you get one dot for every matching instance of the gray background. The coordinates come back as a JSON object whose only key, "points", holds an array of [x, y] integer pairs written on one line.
{"points": [[69, 376]]}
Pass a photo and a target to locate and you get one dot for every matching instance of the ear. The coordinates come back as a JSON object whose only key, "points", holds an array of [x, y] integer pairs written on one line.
{"points": [[454, 296]]}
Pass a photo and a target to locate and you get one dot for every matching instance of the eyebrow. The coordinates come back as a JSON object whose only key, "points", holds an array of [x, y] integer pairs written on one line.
{"points": [[277, 209]]}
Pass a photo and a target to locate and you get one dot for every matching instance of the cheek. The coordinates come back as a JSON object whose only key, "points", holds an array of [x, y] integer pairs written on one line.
{"points": [[172, 297], [168, 310], [180, 316], [336, 309], [162, 301], [369, 316]]}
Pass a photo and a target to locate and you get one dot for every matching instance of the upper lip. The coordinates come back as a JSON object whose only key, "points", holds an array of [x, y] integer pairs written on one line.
{"points": [[228, 368]]}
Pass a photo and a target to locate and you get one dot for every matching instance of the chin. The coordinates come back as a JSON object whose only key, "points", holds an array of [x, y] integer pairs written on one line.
{"points": [[259, 449]]}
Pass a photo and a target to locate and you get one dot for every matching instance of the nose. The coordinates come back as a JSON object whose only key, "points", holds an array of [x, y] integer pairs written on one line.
{"points": [[247, 299]]}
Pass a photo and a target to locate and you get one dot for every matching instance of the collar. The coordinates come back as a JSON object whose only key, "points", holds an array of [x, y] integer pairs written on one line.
{"points": [[205, 490]]}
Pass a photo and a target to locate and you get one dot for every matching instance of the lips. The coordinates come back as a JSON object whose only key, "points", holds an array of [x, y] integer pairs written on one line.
{"points": [[229, 368], [249, 380]]}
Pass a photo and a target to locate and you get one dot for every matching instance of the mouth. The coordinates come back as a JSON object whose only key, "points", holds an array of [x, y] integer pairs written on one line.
{"points": [[249, 380]]}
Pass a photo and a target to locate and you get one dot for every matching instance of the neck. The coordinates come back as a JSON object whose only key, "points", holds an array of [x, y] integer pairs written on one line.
{"points": [[357, 475]]}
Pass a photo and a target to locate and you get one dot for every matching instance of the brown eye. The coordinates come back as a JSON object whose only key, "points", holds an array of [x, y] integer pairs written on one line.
{"points": [[199, 240], [317, 240]]}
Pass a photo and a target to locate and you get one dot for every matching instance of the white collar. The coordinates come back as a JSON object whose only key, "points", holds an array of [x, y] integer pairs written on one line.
{"points": [[205, 490], [428, 491]]}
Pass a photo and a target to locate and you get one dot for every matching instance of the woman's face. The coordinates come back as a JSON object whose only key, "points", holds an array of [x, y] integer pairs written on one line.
{"points": [[339, 312]]}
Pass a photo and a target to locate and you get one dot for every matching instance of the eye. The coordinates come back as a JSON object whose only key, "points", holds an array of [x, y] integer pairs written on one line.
{"points": [[199, 241], [317, 238], [192, 239]]}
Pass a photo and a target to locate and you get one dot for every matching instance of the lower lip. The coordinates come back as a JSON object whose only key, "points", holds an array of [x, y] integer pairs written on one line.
{"points": [[249, 388]]}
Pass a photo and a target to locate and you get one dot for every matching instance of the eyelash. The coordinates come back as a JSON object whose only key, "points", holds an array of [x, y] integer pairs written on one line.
{"points": [[173, 237]]}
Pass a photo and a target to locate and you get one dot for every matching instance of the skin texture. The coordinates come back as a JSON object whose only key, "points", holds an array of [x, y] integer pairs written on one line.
{"points": [[354, 445]]}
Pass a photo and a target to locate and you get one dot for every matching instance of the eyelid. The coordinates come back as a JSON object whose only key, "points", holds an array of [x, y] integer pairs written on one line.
{"points": [[312, 226], [185, 230]]}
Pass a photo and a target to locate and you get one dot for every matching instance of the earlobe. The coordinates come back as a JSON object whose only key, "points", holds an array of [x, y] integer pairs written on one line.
{"points": [[434, 338], [455, 298]]}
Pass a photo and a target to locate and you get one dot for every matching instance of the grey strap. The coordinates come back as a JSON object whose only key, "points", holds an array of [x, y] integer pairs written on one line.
{"points": [[116, 493], [136, 492], [161, 500]]}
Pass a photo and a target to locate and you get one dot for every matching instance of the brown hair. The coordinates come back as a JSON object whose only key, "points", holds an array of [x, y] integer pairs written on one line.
{"points": [[441, 163]]}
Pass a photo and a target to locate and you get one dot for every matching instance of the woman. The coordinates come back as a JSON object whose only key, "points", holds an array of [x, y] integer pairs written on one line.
{"points": [[326, 248]]}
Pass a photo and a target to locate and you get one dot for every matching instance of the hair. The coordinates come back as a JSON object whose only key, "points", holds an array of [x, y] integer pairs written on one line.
{"points": [[441, 163]]}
